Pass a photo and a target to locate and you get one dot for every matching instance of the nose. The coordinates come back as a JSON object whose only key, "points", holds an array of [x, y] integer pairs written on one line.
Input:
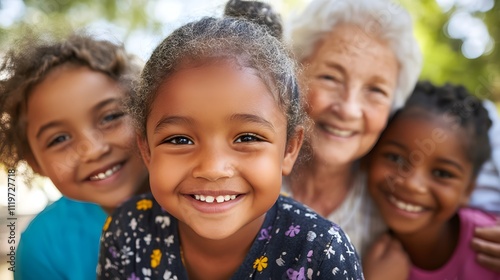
{"points": [[348, 104], [414, 181], [213, 164], [93, 146]]}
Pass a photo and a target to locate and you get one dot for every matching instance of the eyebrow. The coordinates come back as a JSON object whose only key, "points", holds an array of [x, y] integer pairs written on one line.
{"points": [[451, 162], [95, 109], [171, 120], [331, 64], [397, 144], [442, 160], [253, 119]]}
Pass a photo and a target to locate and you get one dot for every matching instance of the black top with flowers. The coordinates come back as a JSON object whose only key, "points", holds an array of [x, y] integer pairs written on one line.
{"points": [[141, 241]]}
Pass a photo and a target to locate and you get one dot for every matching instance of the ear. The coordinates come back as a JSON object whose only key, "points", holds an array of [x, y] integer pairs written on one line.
{"points": [[468, 191], [292, 151], [143, 145], [30, 159]]}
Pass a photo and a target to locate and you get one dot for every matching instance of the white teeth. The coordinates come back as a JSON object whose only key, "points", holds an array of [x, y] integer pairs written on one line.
{"points": [[405, 206], [339, 132], [211, 199], [106, 174]]}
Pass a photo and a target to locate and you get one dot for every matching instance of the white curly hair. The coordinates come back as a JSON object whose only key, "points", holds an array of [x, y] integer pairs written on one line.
{"points": [[384, 19]]}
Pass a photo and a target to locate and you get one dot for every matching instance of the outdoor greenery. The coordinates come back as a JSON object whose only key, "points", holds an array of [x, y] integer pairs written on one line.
{"points": [[443, 57]]}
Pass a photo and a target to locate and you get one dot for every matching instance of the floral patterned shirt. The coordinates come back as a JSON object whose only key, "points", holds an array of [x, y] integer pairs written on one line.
{"points": [[140, 241]]}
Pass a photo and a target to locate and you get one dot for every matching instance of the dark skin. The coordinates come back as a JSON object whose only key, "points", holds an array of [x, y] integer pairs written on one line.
{"points": [[421, 246]]}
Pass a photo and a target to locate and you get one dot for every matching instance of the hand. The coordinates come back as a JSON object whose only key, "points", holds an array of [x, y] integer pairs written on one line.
{"points": [[386, 259], [486, 243]]}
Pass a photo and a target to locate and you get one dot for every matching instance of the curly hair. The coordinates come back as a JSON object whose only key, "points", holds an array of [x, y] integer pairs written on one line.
{"points": [[31, 60], [257, 12], [384, 19], [245, 42], [465, 111]]}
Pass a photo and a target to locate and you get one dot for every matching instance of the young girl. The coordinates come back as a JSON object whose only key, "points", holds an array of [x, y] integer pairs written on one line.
{"points": [[422, 171], [61, 108], [220, 122]]}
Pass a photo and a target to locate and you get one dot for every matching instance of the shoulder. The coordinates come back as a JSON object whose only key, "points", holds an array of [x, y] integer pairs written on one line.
{"points": [[323, 244], [64, 212], [140, 211], [475, 217]]}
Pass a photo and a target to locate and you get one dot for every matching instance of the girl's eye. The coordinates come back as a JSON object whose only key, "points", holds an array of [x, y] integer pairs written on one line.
{"points": [[58, 139], [395, 158], [179, 140], [247, 138], [442, 173], [112, 117]]}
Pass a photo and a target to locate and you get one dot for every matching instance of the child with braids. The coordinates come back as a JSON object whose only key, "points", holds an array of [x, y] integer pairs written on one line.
{"points": [[220, 121], [421, 173], [62, 112]]}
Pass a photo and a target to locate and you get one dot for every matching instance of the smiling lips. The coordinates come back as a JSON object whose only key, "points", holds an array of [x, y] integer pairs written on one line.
{"points": [[338, 132], [405, 206], [211, 199], [106, 174]]}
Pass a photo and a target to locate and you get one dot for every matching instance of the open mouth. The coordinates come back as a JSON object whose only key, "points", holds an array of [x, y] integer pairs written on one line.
{"points": [[212, 199], [405, 206], [107, 173]]}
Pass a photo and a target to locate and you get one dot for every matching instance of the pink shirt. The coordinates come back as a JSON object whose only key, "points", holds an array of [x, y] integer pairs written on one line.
{"points": [[462, 265]]}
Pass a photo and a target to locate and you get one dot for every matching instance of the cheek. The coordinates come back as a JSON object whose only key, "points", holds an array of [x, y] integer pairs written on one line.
{"points": [[317, 100], [164, 176]]}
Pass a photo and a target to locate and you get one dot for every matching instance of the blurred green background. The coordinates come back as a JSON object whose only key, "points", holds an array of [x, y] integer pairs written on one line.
{"points": [[458, 37]]}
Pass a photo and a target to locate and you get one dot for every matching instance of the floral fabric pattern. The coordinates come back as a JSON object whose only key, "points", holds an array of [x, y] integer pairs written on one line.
{"points": [[141, 242]]}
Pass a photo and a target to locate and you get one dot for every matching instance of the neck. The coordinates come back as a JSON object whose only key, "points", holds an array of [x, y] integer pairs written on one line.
{"points": [[144, 188], [216, 259], [320, 186], [431, 248]]}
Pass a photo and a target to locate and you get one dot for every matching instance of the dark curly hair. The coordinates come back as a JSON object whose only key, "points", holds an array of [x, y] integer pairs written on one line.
{"points": [[31, 60], [459, 106], [202, 41], [257, 12]]}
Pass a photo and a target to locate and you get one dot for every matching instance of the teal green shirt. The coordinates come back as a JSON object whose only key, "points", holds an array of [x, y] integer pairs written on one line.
{"points": [[62, 242]]}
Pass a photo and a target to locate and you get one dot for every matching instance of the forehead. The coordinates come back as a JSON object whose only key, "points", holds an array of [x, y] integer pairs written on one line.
{"points": [[349, 42], [218, 88], [439, 132], [67, 89]]}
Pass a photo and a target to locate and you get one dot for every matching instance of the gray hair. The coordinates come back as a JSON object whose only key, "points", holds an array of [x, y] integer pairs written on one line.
{"points": [[389, 21]]}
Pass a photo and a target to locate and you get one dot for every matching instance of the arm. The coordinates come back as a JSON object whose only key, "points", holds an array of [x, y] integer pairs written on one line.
{"points": [[110, 265], [33, 258], [486, 243], [386, 259]]}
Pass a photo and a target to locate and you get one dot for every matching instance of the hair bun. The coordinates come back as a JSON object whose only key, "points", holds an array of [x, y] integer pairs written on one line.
{"points": [[257, 12]]}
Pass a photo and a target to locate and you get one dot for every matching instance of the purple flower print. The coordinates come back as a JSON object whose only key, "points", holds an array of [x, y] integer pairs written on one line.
{"points": [[292, 230], [113, 252], [264, 233], [296, 275], [309, 255], [133, 277]]}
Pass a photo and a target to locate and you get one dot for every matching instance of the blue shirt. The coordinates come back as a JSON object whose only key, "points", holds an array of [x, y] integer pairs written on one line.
{"points": [[61, 242]]}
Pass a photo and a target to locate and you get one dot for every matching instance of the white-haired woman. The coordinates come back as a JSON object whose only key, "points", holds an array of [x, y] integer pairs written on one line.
{"points": [[361, 61]]}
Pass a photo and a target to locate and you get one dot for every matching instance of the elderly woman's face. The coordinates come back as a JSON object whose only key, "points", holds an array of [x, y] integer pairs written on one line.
{"points": [[351, 78]]}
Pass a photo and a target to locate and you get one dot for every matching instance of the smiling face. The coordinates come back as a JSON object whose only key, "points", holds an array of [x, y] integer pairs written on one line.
{"points": [[81, 138], [351, 79], [418, 177], [216, 149]]}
